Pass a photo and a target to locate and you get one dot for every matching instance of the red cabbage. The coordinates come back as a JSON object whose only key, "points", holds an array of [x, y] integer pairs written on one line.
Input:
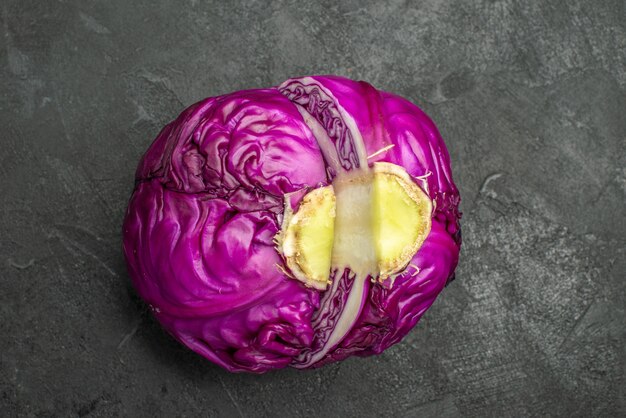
{"points": [[214, 191]]}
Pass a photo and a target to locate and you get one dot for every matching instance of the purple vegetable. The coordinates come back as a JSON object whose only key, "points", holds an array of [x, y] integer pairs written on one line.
{"points": [[260, 230]]}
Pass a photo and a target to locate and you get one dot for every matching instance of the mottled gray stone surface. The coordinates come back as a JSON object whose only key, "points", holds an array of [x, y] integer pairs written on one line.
{"points": [[530, 97]]}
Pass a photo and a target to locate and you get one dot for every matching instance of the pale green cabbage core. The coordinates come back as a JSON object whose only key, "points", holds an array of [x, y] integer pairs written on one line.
{"points": [[371, 221]]}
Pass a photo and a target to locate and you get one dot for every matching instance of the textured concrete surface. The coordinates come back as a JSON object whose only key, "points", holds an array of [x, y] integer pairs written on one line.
{"points": [[530, 96]]}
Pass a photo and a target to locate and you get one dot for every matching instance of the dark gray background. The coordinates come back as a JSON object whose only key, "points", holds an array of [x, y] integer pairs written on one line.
{"points": [[529, 97]]}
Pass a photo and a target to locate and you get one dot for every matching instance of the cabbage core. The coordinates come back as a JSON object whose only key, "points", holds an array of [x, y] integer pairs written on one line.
{"points": [[371, 222]]}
